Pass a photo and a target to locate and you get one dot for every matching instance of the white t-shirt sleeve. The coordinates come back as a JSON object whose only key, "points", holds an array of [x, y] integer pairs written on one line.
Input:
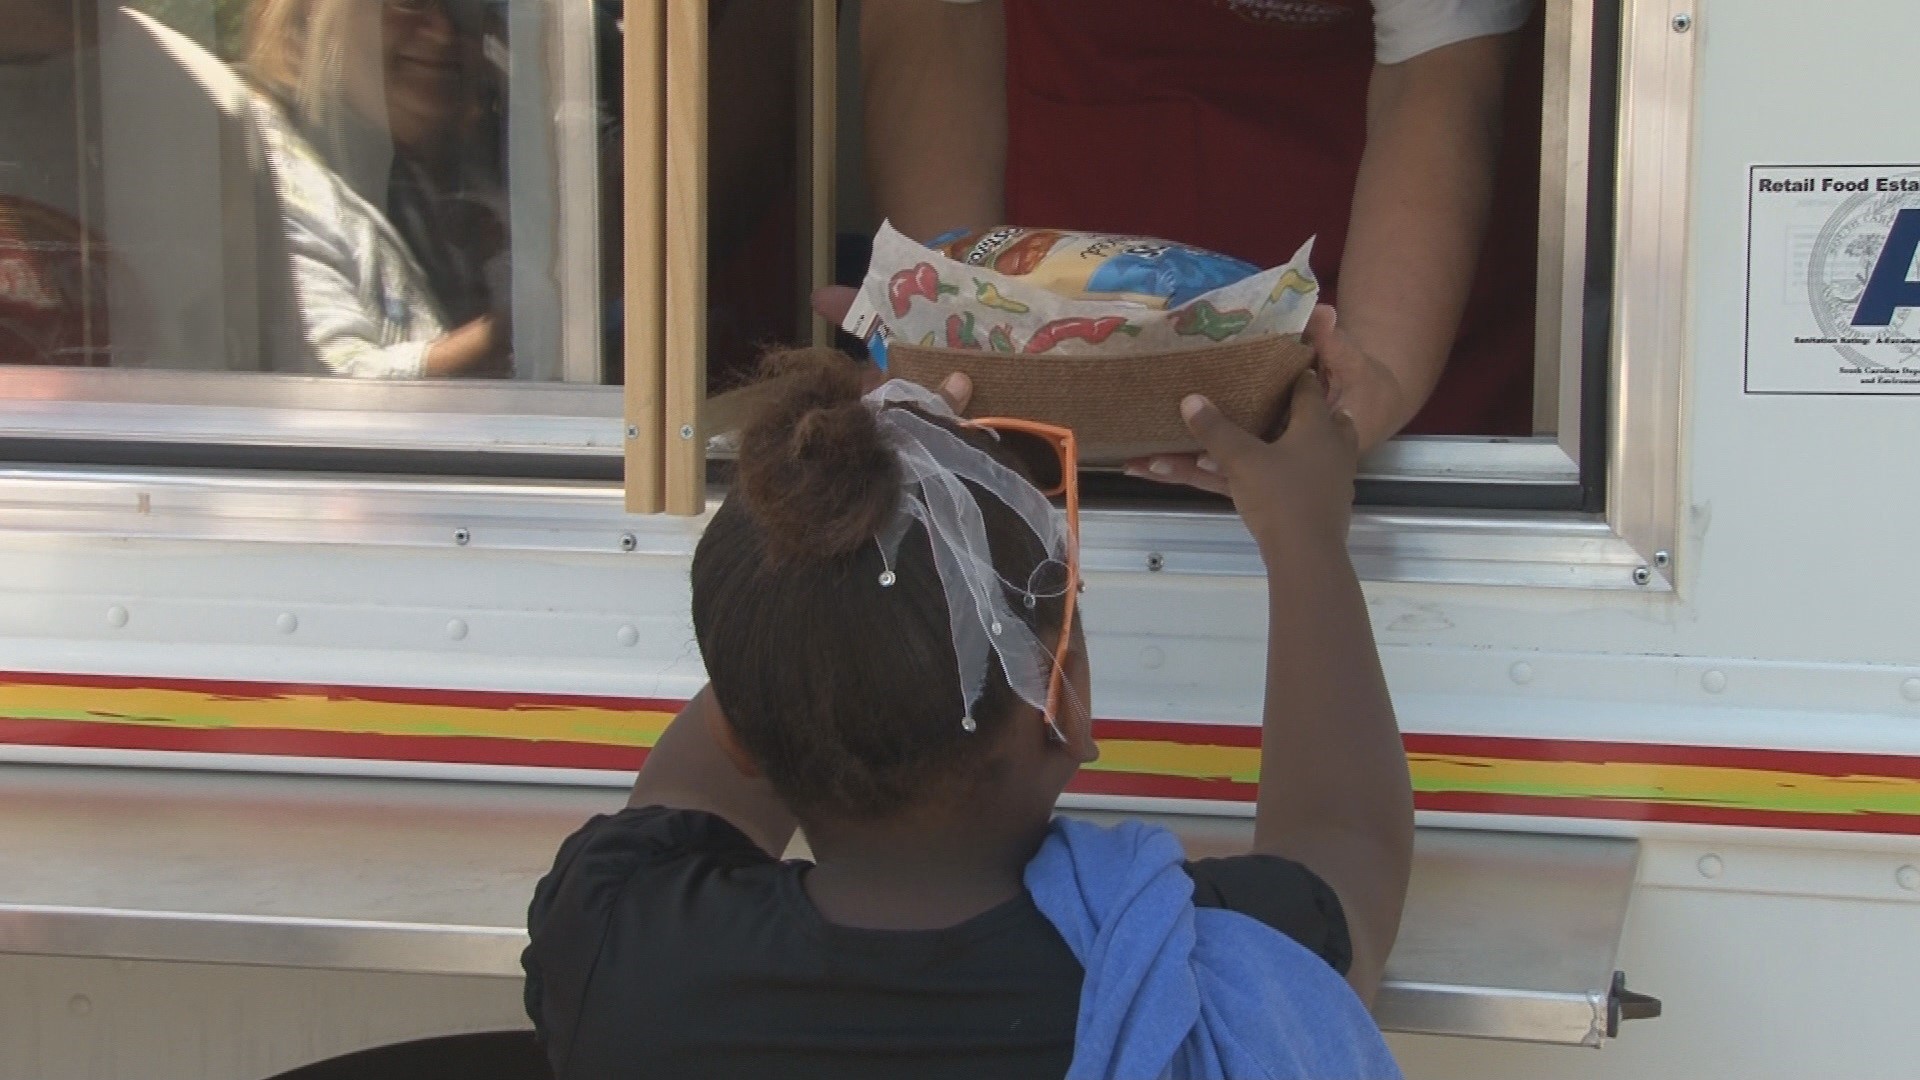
{"points": [[1404, 29]]}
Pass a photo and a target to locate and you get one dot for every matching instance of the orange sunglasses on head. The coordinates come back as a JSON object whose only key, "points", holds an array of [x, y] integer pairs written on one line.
{"points": [[1066, 455]]}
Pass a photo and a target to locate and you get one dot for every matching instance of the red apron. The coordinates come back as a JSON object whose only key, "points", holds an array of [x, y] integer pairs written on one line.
{"points": [[1242, 133]]}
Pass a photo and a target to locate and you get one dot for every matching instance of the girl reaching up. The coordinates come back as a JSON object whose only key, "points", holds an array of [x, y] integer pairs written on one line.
{"points": [[886, 605]]}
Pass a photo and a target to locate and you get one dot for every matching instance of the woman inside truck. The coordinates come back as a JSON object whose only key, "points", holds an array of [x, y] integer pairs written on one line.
{"points": [[377, 117], [885, 604], [1403, 134]]}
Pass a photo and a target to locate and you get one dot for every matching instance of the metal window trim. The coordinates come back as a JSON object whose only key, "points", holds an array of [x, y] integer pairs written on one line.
{"points": [[1564, 550], [1431, 459], [573, 79], [200, 408], [1560, 281], [554, 181], [1654, 184]]}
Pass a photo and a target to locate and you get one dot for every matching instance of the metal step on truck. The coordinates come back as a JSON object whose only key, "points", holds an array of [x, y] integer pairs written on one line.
{"points": [[304, 677]]}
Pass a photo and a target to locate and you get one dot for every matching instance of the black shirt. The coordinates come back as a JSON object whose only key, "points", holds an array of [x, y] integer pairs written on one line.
{"points": [[666, 944]]}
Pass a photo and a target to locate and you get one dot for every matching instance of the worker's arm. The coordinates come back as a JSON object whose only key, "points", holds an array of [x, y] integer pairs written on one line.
{"points": [[935, 97], [1420, 207], [1334, 790], [750, 117]]}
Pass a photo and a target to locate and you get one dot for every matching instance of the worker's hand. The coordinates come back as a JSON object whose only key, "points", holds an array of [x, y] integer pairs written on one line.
{"points": [[833, 302], [1358, 384], [1295, 493], [958, 390]]}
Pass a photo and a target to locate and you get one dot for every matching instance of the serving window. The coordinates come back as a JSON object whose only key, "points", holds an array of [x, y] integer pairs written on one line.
{"points": [[1589, 79], [434, 236]]}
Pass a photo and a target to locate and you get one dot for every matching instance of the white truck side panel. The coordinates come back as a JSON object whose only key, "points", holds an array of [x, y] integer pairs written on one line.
{"points": [[1797, 586]]}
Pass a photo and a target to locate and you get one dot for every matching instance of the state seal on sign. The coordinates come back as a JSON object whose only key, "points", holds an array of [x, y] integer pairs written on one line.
{"points": [[1848, 249]]}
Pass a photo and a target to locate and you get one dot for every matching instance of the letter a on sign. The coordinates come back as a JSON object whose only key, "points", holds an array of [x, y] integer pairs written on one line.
{"points": [[1890, 287]]}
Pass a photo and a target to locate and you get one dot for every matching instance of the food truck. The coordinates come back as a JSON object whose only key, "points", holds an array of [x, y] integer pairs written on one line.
{"points": [[303, 678]]}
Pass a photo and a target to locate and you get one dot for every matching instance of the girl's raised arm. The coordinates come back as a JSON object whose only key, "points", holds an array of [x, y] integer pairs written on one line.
{"points": [[1334, 789]]}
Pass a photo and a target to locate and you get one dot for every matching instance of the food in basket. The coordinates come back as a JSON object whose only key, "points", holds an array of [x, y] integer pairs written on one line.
{"points": [[1051, 291], [1103, 334]]}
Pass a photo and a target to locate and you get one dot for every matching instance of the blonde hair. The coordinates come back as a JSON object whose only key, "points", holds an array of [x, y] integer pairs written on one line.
{"points": [[297, 51]]}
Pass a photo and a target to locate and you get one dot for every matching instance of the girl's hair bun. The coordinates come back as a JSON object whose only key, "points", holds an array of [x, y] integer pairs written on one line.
{"points": [[815, 473]]}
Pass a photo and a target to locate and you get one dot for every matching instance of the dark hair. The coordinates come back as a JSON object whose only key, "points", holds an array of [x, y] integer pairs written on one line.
{"points": [[845, 692]]}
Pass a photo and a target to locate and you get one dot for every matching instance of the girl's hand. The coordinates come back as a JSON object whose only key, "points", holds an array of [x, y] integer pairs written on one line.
{"points": [[832, 304], [1295, 493], [1359, 386]]}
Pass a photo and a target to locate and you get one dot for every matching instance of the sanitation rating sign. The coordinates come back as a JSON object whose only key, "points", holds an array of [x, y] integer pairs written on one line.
{"points": [[1833, 285]]}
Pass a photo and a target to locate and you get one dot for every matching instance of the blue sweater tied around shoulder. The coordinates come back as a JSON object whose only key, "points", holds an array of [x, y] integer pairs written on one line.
{"points": [[1187, 994]]}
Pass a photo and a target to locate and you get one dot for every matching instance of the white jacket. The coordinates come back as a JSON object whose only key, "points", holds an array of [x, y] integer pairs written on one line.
{"points": [[364, 301]]}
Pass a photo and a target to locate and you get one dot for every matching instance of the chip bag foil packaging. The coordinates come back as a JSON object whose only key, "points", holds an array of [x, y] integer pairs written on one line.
{"points": [[1051, 292]]}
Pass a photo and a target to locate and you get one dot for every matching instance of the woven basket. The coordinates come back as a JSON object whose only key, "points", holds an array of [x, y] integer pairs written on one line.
{"points": [[1120, 407]]}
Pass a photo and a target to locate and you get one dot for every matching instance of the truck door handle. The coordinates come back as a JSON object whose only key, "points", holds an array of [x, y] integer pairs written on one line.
{"points": [[1624, 1004]]}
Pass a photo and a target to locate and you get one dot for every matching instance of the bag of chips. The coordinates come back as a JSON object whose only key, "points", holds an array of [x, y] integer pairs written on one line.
{"points": [[1048, 291], [1102, 334], [1089, 266]]}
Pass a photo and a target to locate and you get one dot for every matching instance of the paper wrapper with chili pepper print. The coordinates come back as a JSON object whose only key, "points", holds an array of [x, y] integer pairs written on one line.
{"points": [[1046, 291]]}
